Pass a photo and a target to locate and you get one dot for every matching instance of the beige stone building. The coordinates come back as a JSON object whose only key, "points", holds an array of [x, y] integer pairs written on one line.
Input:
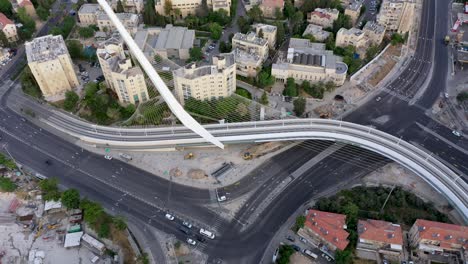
{"points": [[269, 33], [440, 242], [397, 15], [323, 17], [129, 20], [127, 81], [269, 7], [206, 82], [353, 11], [190, 7], [350, 37], [374, 32], [87, 14], [250, 52], [168, 43], [371, 34], [378, 240], [317, 32], [130, 6], [307, 61], [8, 28], [51, 66]]}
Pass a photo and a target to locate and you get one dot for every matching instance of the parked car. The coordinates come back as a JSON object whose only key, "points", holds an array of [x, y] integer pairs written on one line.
{"points": [[107, 157], [169, 217], [187, 224], [191, 241], [456, 133], [296, 247], [290, 238]]}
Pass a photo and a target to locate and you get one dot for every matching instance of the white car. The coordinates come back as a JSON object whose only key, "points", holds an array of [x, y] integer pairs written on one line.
{"points": [[378, 99], [191, 241], [107, 157], [456, 133], [170, 217], [187, 224]]}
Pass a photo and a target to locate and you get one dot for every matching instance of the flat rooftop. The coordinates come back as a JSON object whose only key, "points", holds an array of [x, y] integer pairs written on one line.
{"points": [[191, 71], [250, 37], [45, 48], [266, 27], [89, 9]]}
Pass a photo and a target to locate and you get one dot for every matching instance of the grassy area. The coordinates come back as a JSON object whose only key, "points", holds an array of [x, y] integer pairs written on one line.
{"points": [[243, 92], [8, 163], [6, 185], [231, 109]]}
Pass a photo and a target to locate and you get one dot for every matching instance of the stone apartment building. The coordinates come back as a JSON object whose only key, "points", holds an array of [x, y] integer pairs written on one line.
{"points": [[130, 6], [307, 61], [440, 242], [92, 14], [269, 33], [190, 7], [51, 66], [371, 34], [327, 229], [317, 32], [8, 28], [323, 17], [168, 43], [127, 81], [396, 15], [130, 22], [250, 52], [206, 82], [269, 7], [353, 11], [26, 4], [379, 240]]}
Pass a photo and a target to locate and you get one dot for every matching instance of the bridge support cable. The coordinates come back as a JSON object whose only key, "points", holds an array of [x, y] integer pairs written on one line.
{"points": [[171, 101]]}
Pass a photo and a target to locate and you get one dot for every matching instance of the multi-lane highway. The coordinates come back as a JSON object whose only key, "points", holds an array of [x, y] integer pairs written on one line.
{"points": [[127, 190]]}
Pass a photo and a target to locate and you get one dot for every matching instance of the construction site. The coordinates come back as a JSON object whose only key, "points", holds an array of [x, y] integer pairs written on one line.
{"points": [[36, 231]]}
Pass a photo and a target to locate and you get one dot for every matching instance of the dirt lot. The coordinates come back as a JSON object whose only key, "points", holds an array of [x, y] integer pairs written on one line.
{"points": [[387, 62]]}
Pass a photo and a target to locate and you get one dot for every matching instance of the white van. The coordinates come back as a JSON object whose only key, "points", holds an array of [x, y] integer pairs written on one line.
{"points": [[310, 253], [207, 233]]}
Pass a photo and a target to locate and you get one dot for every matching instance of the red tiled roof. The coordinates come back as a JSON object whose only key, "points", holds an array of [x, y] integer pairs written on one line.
{"points": [[25, 3], [273, 3], [446, 234], [4, 21], [319, 14], [329, 226], [380, 231]]}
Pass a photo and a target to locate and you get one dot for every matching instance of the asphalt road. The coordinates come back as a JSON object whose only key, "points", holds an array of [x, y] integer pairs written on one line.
{"points": [[127, 190]]}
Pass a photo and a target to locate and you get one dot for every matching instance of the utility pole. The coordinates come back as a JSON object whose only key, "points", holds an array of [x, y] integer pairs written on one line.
{"points": [[386, 200]]}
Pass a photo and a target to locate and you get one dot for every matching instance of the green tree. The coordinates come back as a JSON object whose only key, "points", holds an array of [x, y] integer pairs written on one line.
{"points": [[49, 188], [42, 13], [128, 111], [343, 257], [289, 9], [4, 40], [291, 88], [167, 7], [29, 26], [104, 230], [244, 24], [149, 13], [363, 10], [120, 223], [75, 49], [343, 21], [6, 8], [371, 52], [243, 92], [113, 113], [285, 252], [9, 163], [71, 199], [278, 13], [297, 21], [92, 211], [264, 79], [71, 99], [86, 32], [196, 54], [264, 98], [300, 221], [28, 84], [120, 7], [255, 14], [397, 39], [299, 106], [462, 96], [216, 31], [6, 185], [279, 33]]}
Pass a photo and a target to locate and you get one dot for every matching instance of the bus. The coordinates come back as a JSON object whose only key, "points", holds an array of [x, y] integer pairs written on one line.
{"points": [[310, 253]]}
